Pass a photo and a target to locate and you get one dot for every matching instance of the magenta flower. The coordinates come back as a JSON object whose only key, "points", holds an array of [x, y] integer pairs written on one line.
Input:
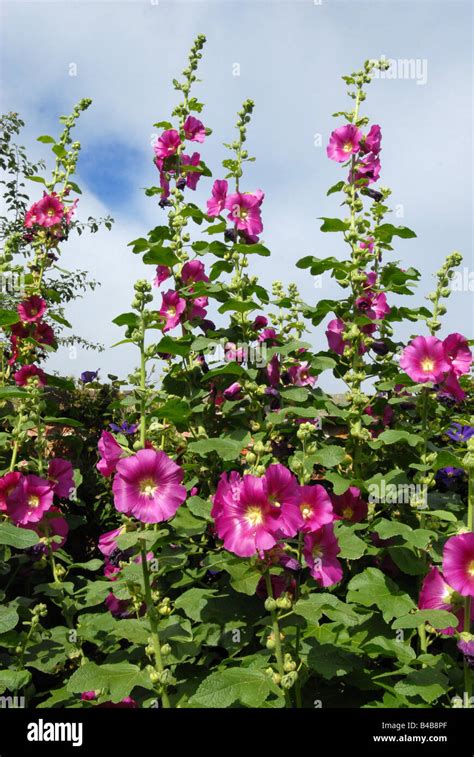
{"points": [[61, 476], [269, 336], [172, 308], [27, 373], [234, 353], [233, 392], [458, 353], [192, 177], [273, 371], [162, 273], [193, 271], [436, 594], [32, 216], [43, 334], [198, 308], [458, 563], [51, 524], [246, 520], [167, 144], [216, 204], [451, 388], [372, 142], [148, 486], [366, 170], [108, 541], [424, 359], [29, 500], [49, 210], [350, 505], [260, 322], [320, 552], [110, 453], [315, 507], [245, 211], [32, 309], [283, 493], [334, 332], [300, 375], [8, 483], [194, 130], [344, 142]]}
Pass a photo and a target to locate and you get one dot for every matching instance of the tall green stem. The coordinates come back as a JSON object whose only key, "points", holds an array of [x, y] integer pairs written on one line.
{"points": [[152, 617], [468, 600]]}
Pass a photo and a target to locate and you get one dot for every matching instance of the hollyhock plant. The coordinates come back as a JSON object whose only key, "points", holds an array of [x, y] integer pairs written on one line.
{"points": [[29, 500], [193, 271], [61, 475], [437, 594], [366, 170], [148, 486], [334, 332], [424, 359], [282, 492], [320, 552], [51, 524], [107, 543], [110, 453], [162, 274], [372, 142], [192, 177], [194, 129], [299, 375], [458, 353], [350, 505], [32, 309], [172, 309], [315, 507], [167, 144], [7, 484], [28, 373], [344, 142], [49, 210], [458, 563]]}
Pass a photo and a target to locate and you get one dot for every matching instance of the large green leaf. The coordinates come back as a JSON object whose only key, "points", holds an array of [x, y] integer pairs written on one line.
{"points": [[21, 538], [372, 587], [115, 679], [224, 687]]}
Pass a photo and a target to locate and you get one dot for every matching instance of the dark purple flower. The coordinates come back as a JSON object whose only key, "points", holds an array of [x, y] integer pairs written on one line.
{"points": [[448, 477], [87, 377], [460, 433], [125, 428], [467, 649]]}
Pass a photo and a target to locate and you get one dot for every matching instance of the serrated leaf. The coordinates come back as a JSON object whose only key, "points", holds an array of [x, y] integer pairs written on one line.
{"points": [[224, 687]]}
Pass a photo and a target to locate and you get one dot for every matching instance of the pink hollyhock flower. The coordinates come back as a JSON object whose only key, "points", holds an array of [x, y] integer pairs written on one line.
{"points": [[32, 216], [51, 524], [164, 180], [282, 491], [270, 336], [368, 245], [7, 484], [148, 486], [167, 144], [245, 519], [458, 353], [245, 211], [198, 308], [334, 336], [458, 563], [233, 353], [61, 476], [110, 452], [372, 142], [436, 594], [32, 309], [315, 507], [366, 169], [216, 204], [320, 552], [192, 177], [344, 142], [162, 273], [350, 505], [108, 541], [119, 608], [43, 334], [69, 211], [29, 500], [233, 392], [260, 322], [300, 375], [194, 129], [172, 308], [28, 372], [193, 271], [451, 387], [128, 702], [50, 210], [424, 359], [273, 371]]}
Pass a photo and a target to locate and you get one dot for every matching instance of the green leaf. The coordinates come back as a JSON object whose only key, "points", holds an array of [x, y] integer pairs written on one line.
{"points": [[224, 687], [330, 661], [126, 319], [238, 306], [8, 317], [319, 265], [329, 456], [333, 224], [429, 684], [314, 606], [335, 188], [386, 231], [72, 422], [226, 449], [13, 680], [8, 618], [172, 346], [21, 538], [159, 255], [12, 392], [116, 679], [244, 577], [194, 601], [199, 507], [439, 619], [339, 483], [372, 587], [351, 546], [46, 139], [381, 646], [391, 436]]}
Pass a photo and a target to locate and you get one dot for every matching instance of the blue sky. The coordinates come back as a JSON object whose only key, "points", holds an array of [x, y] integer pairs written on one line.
{"points": [[291, 56]]}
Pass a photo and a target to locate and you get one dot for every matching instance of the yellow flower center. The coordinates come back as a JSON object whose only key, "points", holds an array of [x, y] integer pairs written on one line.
{"points": [[427, 364], [147, 487], [317, 550], [348, 512], [348, 147], [253, 515], [306, 510], [470, 568], [33, 500], [171, 311]]}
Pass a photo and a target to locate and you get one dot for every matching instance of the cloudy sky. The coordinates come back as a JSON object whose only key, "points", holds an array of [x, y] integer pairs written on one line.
{"points": [[288, 57]]}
